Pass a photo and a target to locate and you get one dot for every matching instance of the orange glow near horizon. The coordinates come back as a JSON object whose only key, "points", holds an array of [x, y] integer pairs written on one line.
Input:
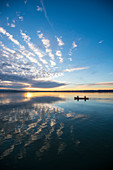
{"points": [[57, 89], [62, 88], [65, 88]]}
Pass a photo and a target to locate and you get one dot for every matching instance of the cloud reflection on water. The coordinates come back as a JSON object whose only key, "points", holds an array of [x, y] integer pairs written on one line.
{"points": [[37, 119]]}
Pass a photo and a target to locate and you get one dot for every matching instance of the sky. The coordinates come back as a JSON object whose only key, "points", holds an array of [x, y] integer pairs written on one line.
{"points": [[56, 45]]}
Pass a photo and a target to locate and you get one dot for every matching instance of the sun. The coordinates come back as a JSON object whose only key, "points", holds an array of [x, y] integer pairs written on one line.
{"points": [[29, 95]]}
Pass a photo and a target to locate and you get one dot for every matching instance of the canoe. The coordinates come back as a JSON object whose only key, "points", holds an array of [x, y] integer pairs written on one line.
{"points": [[81, 98]]}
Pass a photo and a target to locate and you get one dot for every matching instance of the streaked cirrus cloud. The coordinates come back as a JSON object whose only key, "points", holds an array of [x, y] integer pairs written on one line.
{"points": [[75, 69], [101, 41], [95, 84]]}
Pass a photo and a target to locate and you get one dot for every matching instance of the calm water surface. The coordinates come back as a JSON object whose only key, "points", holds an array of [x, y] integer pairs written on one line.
{"points": [[53, 131]]}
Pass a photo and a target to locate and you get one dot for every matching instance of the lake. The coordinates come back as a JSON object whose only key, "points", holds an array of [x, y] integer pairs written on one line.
{"points": [[54, 131]]}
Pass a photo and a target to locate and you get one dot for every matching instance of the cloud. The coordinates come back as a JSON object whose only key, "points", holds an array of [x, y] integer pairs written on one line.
{"points": [[51, 55], [10, 80], [25, 2], [14, 85], [5, 52], [46, 43], [43, 61], [6, 48], [45, 13], [13, 21], [70, 52], [39, 8], [100, 42], [40, 35], [33, 60], [25, 37], [20, 65], [61, 60], [96, 84], [23, 62], [35, 49], [60, 42], [12, 77], [30, 64], [58, 53], [74, 45], [70, 59], [8, 24], [3, 31], [7, 18], [15, 56], [29, 55], [47, 84], [75, 69], [13, 25], [7, 5], [21, 18], [52, 63]]}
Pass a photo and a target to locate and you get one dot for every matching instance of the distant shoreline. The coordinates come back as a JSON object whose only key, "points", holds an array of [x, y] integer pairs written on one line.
{"points": [[58, 91]]}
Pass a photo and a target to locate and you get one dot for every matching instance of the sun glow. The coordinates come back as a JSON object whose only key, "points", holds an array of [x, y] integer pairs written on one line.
{"points": [[28, 95]]}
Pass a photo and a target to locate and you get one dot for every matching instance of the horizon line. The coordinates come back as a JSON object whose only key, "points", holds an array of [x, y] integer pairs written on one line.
{"points": [[10, 90]]}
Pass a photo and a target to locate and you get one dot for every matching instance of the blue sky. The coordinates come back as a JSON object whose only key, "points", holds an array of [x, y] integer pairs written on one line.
{"points": [[46, 44]]}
